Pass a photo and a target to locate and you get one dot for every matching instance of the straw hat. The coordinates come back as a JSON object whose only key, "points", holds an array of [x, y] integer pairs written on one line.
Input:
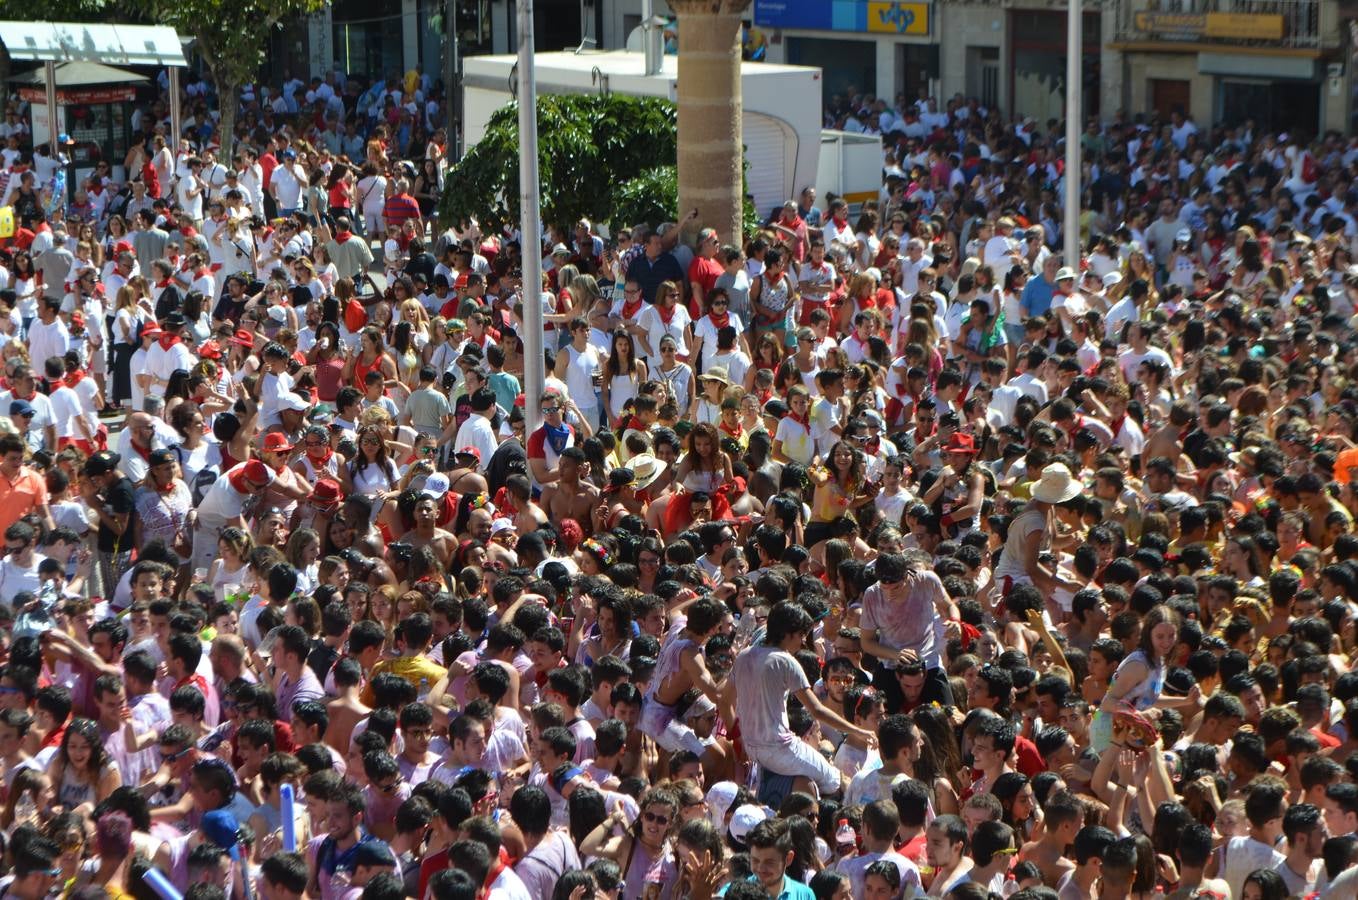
{"points": [[1056, 485], [646, 469]]}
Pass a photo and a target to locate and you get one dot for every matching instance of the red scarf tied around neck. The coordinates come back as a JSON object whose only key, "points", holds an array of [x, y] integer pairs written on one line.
{"points": [[666, 315], [721, 321], [168, 340], [630, 307], [343, 237]]}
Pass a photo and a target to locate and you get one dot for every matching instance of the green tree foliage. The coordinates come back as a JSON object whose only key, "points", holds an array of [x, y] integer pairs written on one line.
{"points": [[651, 197], [604, 158], [230, 37]]}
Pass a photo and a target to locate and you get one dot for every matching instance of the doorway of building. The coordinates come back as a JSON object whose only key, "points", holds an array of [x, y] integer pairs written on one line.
{"points": [[1170, 95], [1273, 105]]}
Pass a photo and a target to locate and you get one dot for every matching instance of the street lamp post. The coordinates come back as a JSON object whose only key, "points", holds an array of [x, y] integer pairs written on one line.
{"points": [[1074, 86], [533, 363]]}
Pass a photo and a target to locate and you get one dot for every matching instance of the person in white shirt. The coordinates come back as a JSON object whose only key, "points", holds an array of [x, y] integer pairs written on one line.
{"points": [[48, 335], [476, 433], [251, 177], [287, 183], [190, 190], [1000, 246], [19, 567], [168, 355]]}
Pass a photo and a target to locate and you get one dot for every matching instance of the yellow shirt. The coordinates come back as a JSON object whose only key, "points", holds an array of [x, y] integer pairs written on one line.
{"points": [[420, 671]]}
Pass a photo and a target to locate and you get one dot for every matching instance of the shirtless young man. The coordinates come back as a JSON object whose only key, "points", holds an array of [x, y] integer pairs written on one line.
{"points": [[426, 532], [346, 710], [681, 667], [571, 497], [527, 514], [463, 477]]}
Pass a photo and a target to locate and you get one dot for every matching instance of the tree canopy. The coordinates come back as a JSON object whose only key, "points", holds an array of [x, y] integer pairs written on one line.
{"points": [[598, 157]]}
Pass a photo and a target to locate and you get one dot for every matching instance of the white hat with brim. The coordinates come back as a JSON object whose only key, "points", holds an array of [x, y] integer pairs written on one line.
{"points": [[719, 374], [1056, 485], [646, 468], [1064, 272]]}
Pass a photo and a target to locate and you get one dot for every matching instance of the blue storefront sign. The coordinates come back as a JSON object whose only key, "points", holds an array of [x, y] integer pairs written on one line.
{"points": [[890, 16]]}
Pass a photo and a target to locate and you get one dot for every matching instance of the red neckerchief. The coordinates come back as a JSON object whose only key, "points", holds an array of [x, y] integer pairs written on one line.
{"points": [[194, 680], [44, 228], [74, 377], [164, 284], [633, 424], [56, 384], [501, 863], [319, 461], [802, 420], [201, 271], [723, 321], [630, 307], [1116, 423], [188, 231], [54, 739], [765, 397], [666, 315], [737, 433], [842, 223], [342, 237], [168, 340], [541, 677], [144, 454], [480, 342], [165, 489]]}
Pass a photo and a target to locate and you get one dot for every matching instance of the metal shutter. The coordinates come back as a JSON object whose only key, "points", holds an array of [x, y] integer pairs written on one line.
{"points": [[769, 145]]}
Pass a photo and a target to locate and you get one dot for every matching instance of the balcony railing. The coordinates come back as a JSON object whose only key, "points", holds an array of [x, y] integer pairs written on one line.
{"points": [[1288, 24]]}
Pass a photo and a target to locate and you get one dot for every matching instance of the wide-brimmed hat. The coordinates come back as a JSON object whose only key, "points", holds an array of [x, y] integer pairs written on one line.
{"points": [[646, 468], [718, 373], [1064, 272], [1056, 485]]}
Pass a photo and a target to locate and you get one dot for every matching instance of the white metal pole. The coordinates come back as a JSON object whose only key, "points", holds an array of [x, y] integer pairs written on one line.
{"points": [[176, 112], [1074, 86], [54, 123], [533, 365]]}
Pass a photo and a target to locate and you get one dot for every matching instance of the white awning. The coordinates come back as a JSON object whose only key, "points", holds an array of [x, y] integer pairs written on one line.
{"points": [[127, 45]]}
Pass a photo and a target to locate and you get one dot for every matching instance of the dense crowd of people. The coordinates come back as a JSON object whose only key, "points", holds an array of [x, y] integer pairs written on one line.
{"points": [[870, 555]]}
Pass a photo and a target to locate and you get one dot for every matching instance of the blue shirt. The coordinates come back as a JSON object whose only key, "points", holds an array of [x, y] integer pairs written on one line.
{"points": [[792, 889], [1037, 297]]}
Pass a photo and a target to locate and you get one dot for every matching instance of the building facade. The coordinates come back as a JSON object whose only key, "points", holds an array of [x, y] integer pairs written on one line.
{"points": [[1284, 63]]}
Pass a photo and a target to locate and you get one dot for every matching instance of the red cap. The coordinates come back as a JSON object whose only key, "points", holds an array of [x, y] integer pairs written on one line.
{"points": [[122, 247], [257, 472], [326, 492], [470, 451], [274, 442], [210, 350], [960, 443]]}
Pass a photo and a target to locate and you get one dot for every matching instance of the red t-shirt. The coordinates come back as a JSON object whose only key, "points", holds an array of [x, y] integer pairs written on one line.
{"points": [[704, 272]]}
